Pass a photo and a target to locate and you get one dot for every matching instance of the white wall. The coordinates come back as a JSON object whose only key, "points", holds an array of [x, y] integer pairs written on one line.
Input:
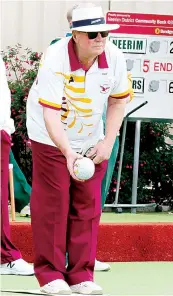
{"points": [[145, 6], [35, 23]]}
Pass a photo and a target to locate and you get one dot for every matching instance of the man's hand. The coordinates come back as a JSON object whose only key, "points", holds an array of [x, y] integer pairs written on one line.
{"points": [[71, 157], [101, 151]]}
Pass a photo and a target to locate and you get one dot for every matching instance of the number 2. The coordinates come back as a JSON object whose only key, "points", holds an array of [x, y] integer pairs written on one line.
{"points": [[146, 65], [171, 50]]}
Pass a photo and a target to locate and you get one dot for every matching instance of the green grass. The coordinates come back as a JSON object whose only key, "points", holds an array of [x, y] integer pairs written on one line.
{"points": [[135, 218], [125, 218], [142, 278]]}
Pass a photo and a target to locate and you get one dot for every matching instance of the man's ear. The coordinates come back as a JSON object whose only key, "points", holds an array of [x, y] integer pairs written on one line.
{"points": [[74, 34]]}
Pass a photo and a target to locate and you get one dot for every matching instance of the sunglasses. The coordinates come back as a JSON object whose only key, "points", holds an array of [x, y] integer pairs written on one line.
{"points": [[93, 35]]}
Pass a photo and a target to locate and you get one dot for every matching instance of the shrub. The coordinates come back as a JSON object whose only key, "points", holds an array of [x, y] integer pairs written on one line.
{"points": [[155, 181], [22, 67]]}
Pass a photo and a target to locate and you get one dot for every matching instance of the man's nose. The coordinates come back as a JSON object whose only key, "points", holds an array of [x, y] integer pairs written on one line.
{"points": [[99, 37]]}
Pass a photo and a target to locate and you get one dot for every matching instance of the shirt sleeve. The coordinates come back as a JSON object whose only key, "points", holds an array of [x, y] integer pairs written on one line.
{"points": [[51, 81], [121, 88]]}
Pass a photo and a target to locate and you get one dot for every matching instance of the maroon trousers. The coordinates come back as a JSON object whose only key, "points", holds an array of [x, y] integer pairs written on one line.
{"points": [[9, 252], [65, 217]]}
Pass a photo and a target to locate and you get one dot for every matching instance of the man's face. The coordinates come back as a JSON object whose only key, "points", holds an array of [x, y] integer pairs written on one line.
{"points": [[90, 47]]}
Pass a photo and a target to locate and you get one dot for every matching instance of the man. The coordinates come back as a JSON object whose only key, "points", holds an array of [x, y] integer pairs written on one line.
{"points": [[99, 266], [11, 260], [64, 119]]}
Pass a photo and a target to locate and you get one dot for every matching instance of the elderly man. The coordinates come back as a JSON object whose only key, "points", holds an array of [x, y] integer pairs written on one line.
{"points": [[79, 75], [99, 266], [11, 260]]}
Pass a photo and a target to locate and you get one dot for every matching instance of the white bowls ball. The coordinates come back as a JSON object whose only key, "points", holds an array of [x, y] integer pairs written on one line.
{"points": [[84, 168]]}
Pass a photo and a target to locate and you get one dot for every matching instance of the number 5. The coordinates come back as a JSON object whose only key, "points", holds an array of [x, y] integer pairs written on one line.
{"points": [[146, 66]]}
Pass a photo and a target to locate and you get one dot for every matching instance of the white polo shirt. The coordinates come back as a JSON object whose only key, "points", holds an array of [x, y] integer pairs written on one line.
{"points": [[6, 123], [63, 84]]}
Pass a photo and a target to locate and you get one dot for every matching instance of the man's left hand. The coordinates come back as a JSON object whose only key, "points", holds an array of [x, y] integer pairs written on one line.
{"points": [[101, 151]]}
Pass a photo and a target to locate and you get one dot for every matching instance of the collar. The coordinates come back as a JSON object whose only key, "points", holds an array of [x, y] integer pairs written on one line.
{"points": [[75, 63]]}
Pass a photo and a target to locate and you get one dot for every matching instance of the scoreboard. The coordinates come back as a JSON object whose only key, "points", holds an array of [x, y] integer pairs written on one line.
{"points": [[147, 43]]}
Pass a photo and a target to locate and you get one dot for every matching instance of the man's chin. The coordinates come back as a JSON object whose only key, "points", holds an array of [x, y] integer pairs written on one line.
{"points": [[98, 50]]}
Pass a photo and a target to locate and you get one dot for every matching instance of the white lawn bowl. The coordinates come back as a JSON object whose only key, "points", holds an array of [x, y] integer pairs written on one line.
{"points": [[84, 168]]}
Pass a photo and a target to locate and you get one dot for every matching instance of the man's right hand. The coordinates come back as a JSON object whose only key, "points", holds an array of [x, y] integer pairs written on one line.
{"points": [[71, 157]]}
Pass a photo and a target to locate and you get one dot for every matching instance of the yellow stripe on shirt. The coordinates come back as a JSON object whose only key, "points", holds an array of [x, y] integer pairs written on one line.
{"points": [[83, 100], [81, 109], [75, 89], [131, 91], [47, 103], [73, 122], [121, 95], [90, 115]]}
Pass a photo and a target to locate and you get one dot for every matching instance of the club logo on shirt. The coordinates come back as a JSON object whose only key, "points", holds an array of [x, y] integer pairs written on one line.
{"points": [[104, 88], [71, 79]]}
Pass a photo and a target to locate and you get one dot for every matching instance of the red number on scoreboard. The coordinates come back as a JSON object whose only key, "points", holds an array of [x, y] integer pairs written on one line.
{"points": [[146, 66]]}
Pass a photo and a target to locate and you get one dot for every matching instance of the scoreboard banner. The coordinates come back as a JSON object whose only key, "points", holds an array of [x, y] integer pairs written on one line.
{"points": [[139, 23], [147, 43]]}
